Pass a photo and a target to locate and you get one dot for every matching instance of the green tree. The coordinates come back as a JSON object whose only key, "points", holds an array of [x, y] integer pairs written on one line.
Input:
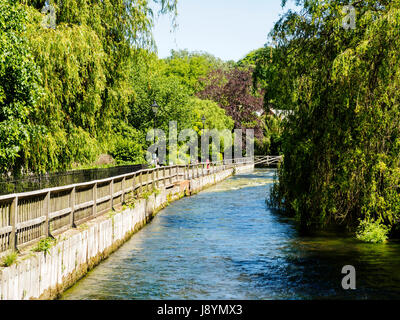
{"points": [[191, 67], [342, 141], [18, 86], [86, 87]]}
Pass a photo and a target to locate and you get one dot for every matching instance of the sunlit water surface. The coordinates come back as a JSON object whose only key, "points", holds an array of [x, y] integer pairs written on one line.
{"points": [[225, 243]]}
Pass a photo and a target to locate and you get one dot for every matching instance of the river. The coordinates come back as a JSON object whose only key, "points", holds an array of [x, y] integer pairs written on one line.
{"points": [[225, 243]]}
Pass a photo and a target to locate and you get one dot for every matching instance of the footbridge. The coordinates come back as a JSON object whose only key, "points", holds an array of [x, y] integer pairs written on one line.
{"points": [[268, 160]]}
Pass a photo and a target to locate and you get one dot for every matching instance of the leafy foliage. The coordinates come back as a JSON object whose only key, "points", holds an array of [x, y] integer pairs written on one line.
{"points": [[342, 141], [372, 231], [44, 245], [81, 70], [84, 89], [9, 259], [190, 67], [233, 90], [129, 146], [18, 86]]}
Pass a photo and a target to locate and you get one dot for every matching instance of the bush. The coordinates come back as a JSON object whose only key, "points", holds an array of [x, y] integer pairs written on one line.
{"points": [[372, 231], [44, 245], [9, 259]]}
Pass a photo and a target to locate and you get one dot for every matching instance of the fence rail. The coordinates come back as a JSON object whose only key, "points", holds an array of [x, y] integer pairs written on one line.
{"points": [[30, 216], [268, 160], [41, 181]]}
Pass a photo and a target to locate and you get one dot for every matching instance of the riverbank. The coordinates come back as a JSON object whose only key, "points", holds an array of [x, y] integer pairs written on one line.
{"points": [[45, 275]]}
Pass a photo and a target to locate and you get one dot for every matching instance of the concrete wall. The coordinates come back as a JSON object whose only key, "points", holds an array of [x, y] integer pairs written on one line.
{"points": [[39, 275]]}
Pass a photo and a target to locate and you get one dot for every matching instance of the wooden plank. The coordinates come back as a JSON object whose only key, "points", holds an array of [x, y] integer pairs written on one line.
{"points": [[46, 211], [112, 194], [59, 213], [30, 223], [72, 205], [94, 212], [123, 190], [117, 194], [127, 190], [141, 183], [13, 222], [8, 196], [5, 230], [103, 199], [83, 205]]}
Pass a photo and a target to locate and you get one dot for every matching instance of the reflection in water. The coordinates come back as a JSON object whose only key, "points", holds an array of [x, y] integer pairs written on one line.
{"points": [[224, 243]]}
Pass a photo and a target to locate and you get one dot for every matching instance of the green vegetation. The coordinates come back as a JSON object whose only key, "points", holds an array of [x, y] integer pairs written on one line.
{"points": [[44, 245], [9, 259], [372, 231], [84, 89], [18, 87], [146, 195], [341, 140]]}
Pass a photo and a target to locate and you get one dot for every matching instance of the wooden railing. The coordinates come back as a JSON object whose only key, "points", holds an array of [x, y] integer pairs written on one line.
{"points": [[28, 217], [268, 160]]}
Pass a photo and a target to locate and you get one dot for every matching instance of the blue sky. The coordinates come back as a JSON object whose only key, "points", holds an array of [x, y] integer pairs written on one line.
{"points": [[228, 29]]}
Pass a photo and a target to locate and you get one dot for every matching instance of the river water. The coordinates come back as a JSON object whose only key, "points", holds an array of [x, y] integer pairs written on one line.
{"points": [[225, 243]]}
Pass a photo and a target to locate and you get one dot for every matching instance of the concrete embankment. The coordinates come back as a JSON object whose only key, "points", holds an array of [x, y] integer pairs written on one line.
{"points": [[45, 275]]}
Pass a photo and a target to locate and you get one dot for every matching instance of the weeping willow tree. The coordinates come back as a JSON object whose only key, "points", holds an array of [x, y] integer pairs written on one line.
{"points": [[19, 90], [342, 140], [84, 64]]}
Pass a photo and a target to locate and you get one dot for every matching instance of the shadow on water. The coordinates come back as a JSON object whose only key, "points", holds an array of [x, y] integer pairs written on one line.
{"points": [[225, 243]]}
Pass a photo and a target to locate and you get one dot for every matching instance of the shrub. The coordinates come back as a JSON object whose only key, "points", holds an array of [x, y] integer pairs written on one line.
{"points": [[128, 146], [371, 230], [44, 245], [9, 259]]}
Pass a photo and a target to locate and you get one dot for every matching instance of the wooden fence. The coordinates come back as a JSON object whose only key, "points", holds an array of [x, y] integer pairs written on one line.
{"points": [[28, 217]]}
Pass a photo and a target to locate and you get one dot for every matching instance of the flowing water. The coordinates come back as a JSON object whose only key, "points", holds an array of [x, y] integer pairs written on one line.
{"points": [[225, 243]]}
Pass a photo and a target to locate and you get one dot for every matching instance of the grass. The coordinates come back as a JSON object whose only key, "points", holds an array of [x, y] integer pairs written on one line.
{"points": [[44, 245], [9, 259]]}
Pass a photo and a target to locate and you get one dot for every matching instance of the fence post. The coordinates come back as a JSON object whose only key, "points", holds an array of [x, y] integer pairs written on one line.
{"points": [[72, 205], [46, 209], [112, 194], [157, 177], [13, 222], [123, 190], [141, 182], [133, 186], [164, 180], [94, 212]]}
